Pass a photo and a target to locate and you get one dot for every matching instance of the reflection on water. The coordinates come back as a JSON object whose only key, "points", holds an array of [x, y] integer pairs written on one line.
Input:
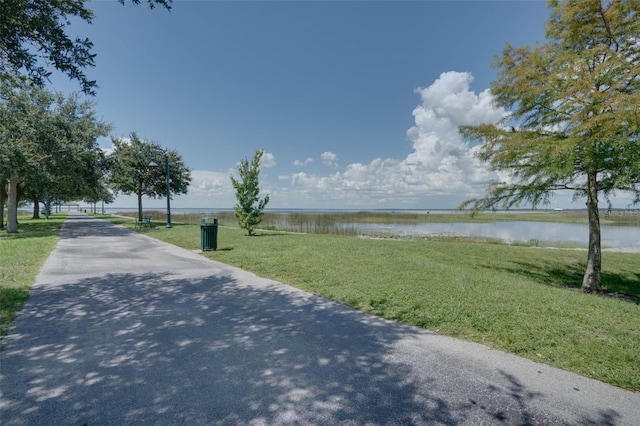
{"points": [[624, 237], [520, 231]]}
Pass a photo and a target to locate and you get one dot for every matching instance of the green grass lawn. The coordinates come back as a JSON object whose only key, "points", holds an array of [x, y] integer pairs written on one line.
{"points": [[21, 256], [522, 300]]}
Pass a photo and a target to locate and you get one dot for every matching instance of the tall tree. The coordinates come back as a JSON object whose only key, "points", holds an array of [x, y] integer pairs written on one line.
{"points": [[575, 111], [249, 209], [79, 166], [24, 113], [47, 143], [3, 197], [33, 38], [134, 169]]}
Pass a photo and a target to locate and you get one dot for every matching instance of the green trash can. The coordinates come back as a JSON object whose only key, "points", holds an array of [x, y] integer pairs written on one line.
{"points": [[208, 233]]}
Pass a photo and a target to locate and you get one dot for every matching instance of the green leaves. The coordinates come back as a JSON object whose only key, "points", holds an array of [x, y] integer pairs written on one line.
{"points": [[575, 101], [249, 209], [46, 136], [33, 38], [47, 144], [137, 167]]}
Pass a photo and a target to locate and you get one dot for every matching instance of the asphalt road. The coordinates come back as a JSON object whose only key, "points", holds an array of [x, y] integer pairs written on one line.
{"points": [[122, 329]]}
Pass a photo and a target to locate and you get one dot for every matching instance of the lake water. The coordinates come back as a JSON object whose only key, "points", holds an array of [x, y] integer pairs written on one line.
{"points": [[625, 237]]}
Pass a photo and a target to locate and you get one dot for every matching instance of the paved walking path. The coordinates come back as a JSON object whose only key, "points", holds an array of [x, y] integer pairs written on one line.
{"points": [[122, 329]]}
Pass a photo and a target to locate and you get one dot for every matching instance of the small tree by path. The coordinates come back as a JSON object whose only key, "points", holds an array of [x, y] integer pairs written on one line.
{"points": [[249, 209]]}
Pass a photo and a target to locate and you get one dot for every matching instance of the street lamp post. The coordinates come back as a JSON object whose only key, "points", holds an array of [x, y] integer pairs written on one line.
{"points": [[166, 172]]}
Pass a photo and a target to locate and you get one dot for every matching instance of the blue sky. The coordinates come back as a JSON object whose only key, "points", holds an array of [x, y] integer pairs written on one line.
{"points": [[355, 103]]}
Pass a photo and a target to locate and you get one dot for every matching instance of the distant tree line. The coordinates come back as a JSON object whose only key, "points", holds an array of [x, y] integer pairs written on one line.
{"points": [[49, 152]]}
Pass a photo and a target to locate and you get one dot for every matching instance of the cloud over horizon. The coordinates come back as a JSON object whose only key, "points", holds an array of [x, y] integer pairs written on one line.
{"points": [[268, 160], [442, 163], [440, 172], [329, 159], [208, 184], [302, 163]]}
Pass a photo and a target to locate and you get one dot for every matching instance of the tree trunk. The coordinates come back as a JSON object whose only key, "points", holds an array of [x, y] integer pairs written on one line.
{"points": [[592, 281], [12, 205], [36, 209], [140, 206], [3, 199]]}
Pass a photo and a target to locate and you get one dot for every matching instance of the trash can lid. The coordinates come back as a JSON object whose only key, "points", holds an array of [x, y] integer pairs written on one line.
{"points": [[208, 221]]}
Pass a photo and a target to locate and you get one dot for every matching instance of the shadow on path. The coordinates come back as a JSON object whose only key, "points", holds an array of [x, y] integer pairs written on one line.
{"points": [[127, 349]]}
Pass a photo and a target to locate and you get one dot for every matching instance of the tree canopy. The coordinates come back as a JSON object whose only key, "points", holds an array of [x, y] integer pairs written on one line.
{"points": [[135, 167], [47, 145], [575, 114], [249, 209], [33, 38]]}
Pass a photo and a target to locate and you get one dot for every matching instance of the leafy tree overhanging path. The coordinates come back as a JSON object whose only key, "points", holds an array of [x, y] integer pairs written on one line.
{"points": [[123, 329]]}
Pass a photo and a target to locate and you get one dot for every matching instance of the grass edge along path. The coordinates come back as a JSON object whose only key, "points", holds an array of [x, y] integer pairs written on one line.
{"points": [[511, 298], [22, 256]]}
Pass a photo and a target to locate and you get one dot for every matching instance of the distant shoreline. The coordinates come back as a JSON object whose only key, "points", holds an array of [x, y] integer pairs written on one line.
{"points": [[319, 211]]}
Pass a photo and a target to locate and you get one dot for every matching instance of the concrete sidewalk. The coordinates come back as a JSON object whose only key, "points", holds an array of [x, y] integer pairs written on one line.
{"points": [[123, 329]]}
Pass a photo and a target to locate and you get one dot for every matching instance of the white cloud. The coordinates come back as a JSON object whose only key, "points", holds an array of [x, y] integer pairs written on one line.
{"points": [[329, 159], [298, 163], [107, 151], [440, 172], [207, 190], [210, 184], [268, 160], [105, 145], [441, 164]]}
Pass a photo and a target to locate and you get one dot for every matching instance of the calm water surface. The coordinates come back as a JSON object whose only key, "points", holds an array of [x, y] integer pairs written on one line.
{"points": [[627, 237]]}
